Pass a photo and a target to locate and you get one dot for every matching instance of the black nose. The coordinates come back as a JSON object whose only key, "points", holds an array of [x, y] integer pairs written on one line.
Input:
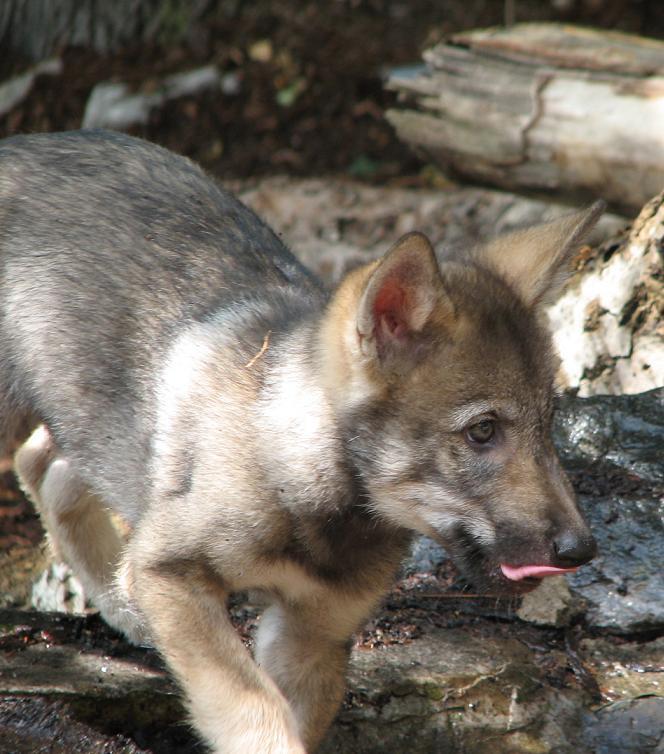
{"points": [[574, 549]]}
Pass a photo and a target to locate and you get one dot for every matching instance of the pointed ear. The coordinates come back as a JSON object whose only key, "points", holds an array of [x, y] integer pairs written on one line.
{"points": [[536, 261], [398, 300]]}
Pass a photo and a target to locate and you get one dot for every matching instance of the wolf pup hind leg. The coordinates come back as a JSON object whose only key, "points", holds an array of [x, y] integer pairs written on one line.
{"points": [[259, 434], [80, 530]]}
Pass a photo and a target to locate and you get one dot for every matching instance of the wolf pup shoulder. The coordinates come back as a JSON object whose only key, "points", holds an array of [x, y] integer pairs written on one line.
{"points": [[163, 356]]}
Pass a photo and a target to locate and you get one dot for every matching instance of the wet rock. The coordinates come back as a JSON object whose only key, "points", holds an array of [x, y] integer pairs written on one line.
{"points": [[452, 691], [39, 726], [52, 655], [624, 670], [619, 436], [612, 445], [72, 685], [634, 726]]}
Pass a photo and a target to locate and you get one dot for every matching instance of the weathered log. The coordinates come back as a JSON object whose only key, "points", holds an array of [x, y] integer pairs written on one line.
{"points": [[608, 325], [545, 108]]}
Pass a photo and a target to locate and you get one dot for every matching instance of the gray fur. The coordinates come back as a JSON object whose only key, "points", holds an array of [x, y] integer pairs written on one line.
{"points": [[110, 247]]}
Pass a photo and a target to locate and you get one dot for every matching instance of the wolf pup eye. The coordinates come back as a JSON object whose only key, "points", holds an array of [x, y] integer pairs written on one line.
{"points": [[482, 432]]}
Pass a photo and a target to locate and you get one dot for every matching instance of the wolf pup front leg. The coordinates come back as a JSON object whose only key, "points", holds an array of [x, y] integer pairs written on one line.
{"points": [[259, 435]]}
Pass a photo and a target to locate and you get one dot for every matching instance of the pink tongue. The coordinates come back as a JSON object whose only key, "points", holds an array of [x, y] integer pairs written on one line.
{"points": [[516, 573]]}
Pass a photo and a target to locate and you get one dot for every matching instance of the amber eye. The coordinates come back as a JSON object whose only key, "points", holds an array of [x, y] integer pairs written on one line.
{"points": [[482, 432]]}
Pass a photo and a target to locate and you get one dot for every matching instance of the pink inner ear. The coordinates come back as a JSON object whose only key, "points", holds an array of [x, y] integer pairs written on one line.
{"points": [[389, 310]]}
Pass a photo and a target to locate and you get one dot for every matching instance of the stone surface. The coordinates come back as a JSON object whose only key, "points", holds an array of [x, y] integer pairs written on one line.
{"points": [[630, 727], [71, 685], [451, 691], [34, 725], [625, 669], [334, 225], [41, 656], [551, 604], [613, 448]]}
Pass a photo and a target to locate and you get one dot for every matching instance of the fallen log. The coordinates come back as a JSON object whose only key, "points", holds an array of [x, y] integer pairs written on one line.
{"points": [[549, 109]]}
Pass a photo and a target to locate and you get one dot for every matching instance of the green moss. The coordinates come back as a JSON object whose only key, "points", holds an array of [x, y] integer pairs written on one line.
{"points": [[433, 692]]}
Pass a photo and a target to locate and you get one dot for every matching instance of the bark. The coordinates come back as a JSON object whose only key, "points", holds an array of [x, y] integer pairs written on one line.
{"points": [[608, 325], [36, 29], [542, 108]]}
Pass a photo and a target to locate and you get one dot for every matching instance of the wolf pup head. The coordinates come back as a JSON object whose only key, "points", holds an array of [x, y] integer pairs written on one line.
{"points": [[442, 376]]}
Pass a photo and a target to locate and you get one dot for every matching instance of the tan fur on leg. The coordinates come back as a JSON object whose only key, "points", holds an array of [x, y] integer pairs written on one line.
{"points": [[308, 662], [233, 704]]}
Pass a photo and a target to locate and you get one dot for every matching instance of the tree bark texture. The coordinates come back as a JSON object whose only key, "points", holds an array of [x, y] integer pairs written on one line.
{"points": [[33, 30], [542, 108]]}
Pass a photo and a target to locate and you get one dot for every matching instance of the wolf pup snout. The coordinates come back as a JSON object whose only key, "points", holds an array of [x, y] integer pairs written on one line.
{"points": [[564, 544], [177, 365], [568, 551]]}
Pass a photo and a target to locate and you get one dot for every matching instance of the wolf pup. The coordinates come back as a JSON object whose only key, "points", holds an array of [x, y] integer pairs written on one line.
{"points": [[179, 367]]}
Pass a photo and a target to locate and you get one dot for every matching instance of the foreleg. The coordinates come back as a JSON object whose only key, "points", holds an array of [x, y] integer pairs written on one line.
{"points": [[233, 703]]}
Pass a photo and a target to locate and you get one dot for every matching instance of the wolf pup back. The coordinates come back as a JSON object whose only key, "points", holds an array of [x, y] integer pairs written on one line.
{"points": [[164, 356]]}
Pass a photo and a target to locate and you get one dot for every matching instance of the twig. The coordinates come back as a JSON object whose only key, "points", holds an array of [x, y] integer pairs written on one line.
{"points": [[454, 596], [264, 347]]}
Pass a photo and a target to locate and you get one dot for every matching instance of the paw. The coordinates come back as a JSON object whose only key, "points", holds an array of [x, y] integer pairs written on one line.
{"points": [[31, 461]]}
